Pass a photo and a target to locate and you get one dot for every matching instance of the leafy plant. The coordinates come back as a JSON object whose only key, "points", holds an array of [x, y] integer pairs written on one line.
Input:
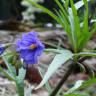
{"points": [[30, 47], [17, 60], [68, 18], [79, 33], [12, 75]]}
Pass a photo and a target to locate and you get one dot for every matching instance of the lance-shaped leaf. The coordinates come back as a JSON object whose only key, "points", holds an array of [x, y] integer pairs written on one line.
{"points": [[88, 83], [75, 87], [76, 32], [82, 85], [11, 69], [90, 54], [21, 75], [58, 60], [77, 94], [57, 51]]}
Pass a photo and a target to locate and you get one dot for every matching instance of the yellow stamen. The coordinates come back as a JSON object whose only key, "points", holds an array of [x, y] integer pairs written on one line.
{"points": [[33, 46]]}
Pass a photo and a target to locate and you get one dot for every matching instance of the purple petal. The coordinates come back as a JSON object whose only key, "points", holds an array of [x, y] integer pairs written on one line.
{"points": [[30, 56]]}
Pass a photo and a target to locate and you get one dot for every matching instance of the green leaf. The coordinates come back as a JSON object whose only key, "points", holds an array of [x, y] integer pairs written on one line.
{"points": [[85, 31], [20, 87], [76, 33], [67, 4], [85, 23], [77, 94], [7, 74], [65, 23], [47, 85], [88, 83], [71, 20], [62, 9], [22, 73], [58, 51], [85, 84], [91, 54], [10, 57], [58, 60], [75, 87], [11, 69]]}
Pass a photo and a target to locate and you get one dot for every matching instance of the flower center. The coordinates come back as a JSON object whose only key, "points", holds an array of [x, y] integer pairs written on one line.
{"points": [[33, 46]]}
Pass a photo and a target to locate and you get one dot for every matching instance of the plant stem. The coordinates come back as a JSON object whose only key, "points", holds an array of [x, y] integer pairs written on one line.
{"points": [[66, 75], [20, 88]]}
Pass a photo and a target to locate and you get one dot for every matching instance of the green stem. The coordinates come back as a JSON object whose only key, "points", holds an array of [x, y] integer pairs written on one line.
{"points": [[66, 75], [20, 88], [71, 68]]}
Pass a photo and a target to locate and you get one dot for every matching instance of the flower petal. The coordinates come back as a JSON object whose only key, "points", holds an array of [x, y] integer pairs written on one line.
{"points": [[30, 56]]}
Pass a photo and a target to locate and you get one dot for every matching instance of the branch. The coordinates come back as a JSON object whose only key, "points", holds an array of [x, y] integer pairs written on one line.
{"points": [[71, 68]]}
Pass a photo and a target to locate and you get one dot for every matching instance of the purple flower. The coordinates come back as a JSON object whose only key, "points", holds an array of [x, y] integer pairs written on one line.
{"points": [[30, 47], [2, 49]]}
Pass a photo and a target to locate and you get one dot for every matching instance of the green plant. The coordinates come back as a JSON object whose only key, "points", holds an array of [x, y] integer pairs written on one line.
{"points": [[11, 74], [79, 33], [28, 48]]}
